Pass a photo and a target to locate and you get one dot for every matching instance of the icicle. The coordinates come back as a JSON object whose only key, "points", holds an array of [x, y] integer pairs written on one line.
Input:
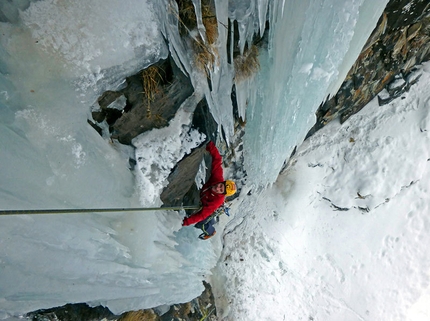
{"points": [[262, 14], [170, 31], [200, 26], [231, 39], [222, 76]]}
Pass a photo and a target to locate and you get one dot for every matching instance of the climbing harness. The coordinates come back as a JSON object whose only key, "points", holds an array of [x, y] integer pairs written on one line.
{"points": [[219, 211], [214, 216]]}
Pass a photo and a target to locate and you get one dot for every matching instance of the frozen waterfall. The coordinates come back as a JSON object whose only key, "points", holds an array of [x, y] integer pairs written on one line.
{"points": [[53, 66]]}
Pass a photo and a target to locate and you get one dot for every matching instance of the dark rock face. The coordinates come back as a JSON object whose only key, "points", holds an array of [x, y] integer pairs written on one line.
{"points": [[149, 100], [201, 308], [204, 122], [400, 41], [73, 312], [146, 114], [181, 180]]}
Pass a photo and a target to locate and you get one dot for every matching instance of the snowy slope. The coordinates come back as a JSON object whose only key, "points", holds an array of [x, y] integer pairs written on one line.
{"points": [[343, 234], [53, 67]]}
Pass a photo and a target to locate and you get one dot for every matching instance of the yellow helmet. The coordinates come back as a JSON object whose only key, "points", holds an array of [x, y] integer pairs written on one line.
{"points": [[230, 188]]}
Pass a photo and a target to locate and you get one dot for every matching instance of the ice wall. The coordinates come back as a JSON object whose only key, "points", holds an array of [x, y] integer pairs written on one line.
{"points": [[53, 66], [312, 44]]}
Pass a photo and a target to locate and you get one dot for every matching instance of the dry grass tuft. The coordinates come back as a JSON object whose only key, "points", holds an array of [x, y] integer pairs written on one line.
{"points": [[211, 24], [187, 16], [185, 309], [246, 65], [151, 79], [141, 315], [205, 58]]}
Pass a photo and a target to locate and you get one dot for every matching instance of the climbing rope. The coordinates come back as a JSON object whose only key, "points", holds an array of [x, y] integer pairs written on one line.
{"points": [[95, 210]]}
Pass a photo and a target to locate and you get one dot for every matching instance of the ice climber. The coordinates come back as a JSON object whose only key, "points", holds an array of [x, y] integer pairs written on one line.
{"points": [[212, 196]]}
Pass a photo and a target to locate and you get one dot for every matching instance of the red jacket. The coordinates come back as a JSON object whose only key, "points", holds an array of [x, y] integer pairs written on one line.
{"points": [[209, 199]]}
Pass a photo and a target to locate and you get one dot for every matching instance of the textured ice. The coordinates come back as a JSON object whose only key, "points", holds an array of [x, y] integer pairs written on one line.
{"points": [[298, 72], [53, 66], [51, 158]]}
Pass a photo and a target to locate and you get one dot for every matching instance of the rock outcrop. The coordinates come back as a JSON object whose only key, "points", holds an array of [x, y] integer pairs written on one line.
{"points": [[201, 308], [149, 100], [400, 41]]}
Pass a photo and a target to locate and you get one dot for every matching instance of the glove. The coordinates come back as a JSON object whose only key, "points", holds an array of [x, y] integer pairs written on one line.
{"points": [[185, 222]]}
